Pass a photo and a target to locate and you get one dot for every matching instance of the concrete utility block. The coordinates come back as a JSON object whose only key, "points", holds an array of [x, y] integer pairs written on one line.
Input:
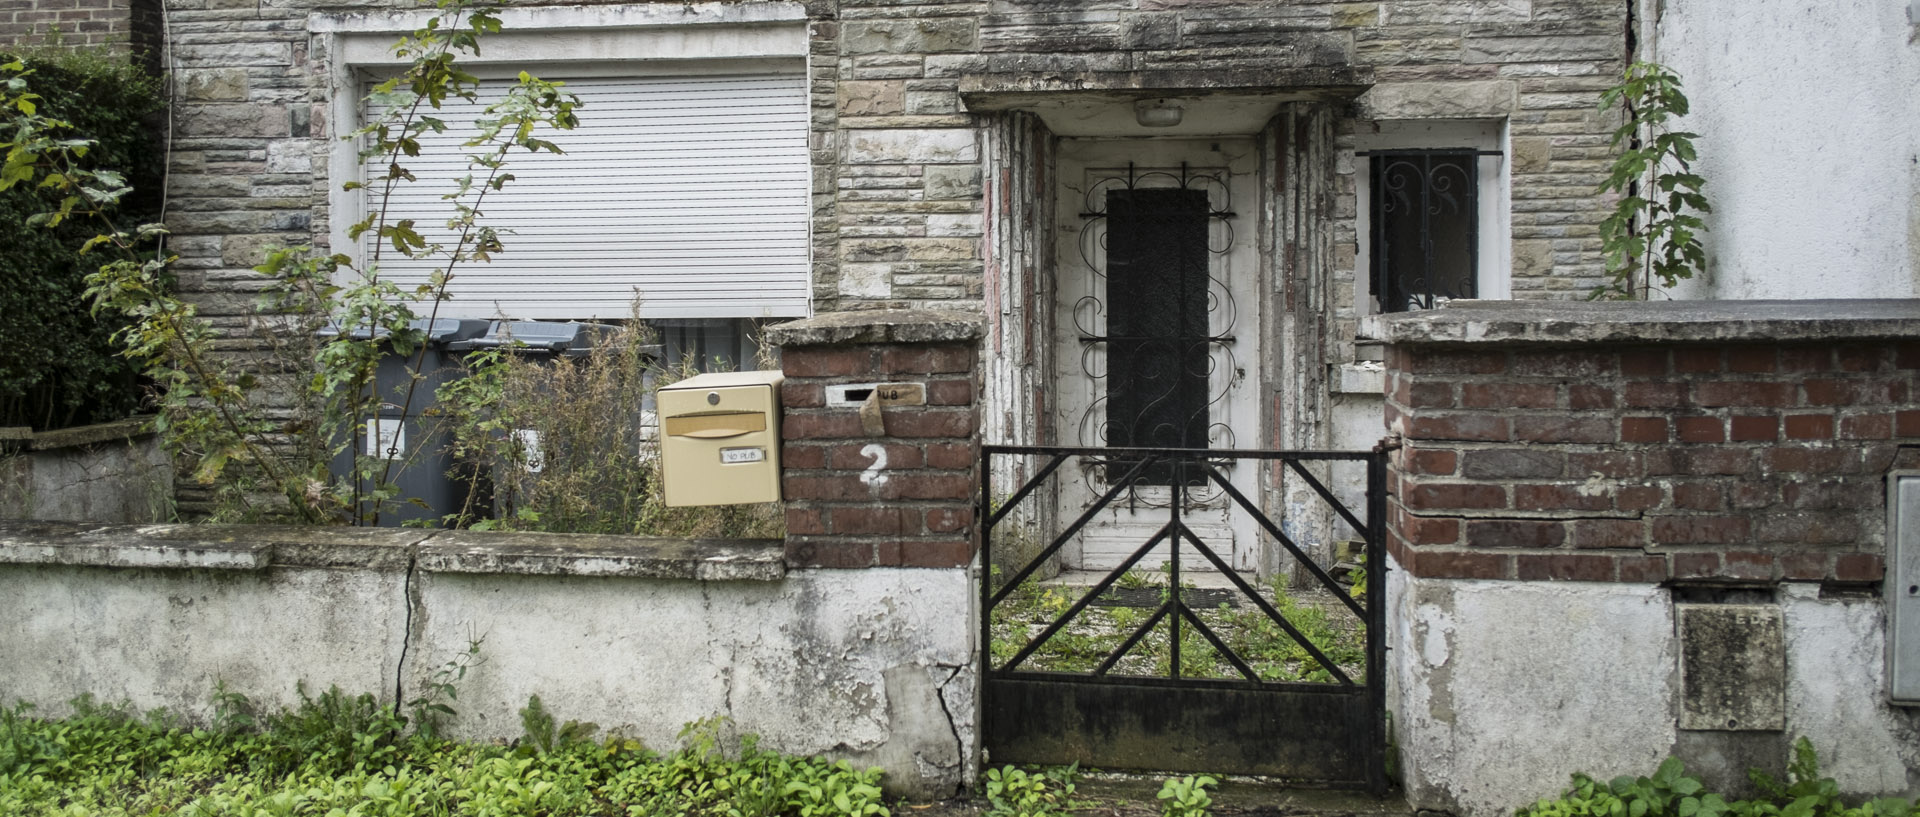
{"points": [[1733, 667]]}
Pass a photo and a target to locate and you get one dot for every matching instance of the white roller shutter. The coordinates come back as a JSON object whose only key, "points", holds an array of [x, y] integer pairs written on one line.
{"points": [[692, 192]]}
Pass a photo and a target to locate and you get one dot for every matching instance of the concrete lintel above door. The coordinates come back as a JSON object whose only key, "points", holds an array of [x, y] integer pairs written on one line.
{"points": [[1101, 103]]}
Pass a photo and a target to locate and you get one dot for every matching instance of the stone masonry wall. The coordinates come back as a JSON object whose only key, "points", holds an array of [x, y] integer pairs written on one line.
{"points": [[897, 218], [893, 485], [1644, 459]]}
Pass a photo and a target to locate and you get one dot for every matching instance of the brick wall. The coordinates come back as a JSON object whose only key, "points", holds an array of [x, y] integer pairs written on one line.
{"points": [[1736, 460], [916, 509], [128, 26]]}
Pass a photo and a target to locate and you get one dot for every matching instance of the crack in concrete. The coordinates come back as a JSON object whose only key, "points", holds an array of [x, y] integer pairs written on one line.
{"points": [[412, 592], [940, 694]]}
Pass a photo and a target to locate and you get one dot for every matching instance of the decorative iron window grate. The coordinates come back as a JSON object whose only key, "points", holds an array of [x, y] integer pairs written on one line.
{"points": [[1425, 226]]}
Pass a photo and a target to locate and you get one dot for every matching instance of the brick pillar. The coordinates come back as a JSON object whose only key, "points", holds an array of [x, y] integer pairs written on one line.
{"points": [[1661, 442], [896, 489]]}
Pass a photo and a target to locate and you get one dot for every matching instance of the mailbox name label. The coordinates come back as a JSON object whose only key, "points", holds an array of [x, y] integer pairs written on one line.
{"points": [[734, 455]]}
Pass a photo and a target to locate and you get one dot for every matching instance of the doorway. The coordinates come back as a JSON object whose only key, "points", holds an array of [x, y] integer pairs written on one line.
{"points": [[1157, 334]]}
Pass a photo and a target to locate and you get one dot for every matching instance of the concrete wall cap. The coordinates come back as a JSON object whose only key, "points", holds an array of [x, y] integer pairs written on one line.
{"points": [[258, 547], [561, 554], [879, 326], [130, 428], [1557, 322]]}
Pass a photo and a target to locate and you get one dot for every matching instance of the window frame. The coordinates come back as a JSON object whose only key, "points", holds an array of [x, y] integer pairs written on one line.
{"points": [[1493, 273], [629, 40]]}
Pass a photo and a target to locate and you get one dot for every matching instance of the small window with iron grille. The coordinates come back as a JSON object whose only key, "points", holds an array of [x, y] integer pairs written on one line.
{"points": [[1424, 226]]}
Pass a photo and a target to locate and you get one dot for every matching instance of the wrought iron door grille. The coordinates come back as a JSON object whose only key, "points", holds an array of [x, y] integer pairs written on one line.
{"points": [[1424, 225], [1220, 705], [1151, 239]]}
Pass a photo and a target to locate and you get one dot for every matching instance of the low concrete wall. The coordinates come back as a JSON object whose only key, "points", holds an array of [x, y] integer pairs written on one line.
{"points": [[639, 636], [111, 472]]}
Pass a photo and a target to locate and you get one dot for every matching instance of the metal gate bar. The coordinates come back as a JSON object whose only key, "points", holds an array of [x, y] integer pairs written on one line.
{"points": [[1330, 734]]}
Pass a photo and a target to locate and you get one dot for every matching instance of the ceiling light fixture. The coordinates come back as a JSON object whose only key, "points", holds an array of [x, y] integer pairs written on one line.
{"points": [[1157, 113]]}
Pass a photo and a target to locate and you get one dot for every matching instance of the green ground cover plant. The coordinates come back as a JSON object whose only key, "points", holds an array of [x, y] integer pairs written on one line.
{"points": [[1671, 792], [337, 755], [1098, 630]]}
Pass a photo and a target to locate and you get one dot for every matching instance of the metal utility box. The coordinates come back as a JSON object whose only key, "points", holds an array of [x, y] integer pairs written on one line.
{"points": [[720, 439], [1903, 587]]}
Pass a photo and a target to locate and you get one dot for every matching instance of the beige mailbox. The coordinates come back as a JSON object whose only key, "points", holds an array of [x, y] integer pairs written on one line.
{"points": [[720, 438]]}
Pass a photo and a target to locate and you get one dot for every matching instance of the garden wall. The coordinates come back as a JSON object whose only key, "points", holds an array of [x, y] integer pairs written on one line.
{"points": [[852, 639], [109, 472], [1623, 530]]}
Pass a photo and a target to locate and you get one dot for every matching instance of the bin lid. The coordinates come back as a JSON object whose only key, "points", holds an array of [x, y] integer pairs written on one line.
{"points": [[438, 330], [539, 336]]}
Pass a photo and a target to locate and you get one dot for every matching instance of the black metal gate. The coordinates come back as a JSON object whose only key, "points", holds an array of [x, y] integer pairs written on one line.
{"points": [[1076, 673]]}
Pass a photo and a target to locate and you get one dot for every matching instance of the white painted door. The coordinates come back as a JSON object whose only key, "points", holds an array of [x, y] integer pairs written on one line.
{"points": [[1157, 328]]}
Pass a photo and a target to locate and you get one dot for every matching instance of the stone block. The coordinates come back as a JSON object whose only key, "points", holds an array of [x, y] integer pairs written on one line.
{"points": [[952, 183], [1733, 669], [1150, 30], [233, 120], [290, 156], [215, 85], [872, 98], [1487, 99], [233, 55], [953, 225], [914, 146], [922, 36], [866, 280]]}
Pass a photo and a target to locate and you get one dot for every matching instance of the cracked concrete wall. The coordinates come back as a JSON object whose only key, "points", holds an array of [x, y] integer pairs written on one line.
{"points": [[1501, 689], [111, 472], [164, 638], [874, 666]]}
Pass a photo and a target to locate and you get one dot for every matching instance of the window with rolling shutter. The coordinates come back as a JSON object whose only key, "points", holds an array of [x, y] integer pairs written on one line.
{"points": [[691, 193]]}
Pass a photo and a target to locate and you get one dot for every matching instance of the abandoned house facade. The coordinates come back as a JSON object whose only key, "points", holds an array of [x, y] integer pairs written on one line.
{"points": [[1308, 169]]}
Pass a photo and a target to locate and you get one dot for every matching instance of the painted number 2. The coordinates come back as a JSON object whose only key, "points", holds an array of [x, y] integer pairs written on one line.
{"points": [[872, 476]]}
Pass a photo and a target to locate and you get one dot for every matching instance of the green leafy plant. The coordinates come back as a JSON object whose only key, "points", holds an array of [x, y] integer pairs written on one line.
{"points": [[226, 418], [434, 704], [1186, 796], [540, 734], [61, 366], [1654, 230], [103, 761], [1014, 792], [1670, 792]]}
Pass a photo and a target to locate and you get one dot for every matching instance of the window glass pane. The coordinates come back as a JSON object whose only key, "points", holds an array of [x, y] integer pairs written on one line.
{"points": [[1157, 344]]}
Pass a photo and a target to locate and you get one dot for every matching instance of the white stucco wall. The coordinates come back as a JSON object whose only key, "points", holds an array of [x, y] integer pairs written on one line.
{"points": [[873, 666], [1502, 689], [164, 638], [1499, 690], [870, 665], [1809, 141]]}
